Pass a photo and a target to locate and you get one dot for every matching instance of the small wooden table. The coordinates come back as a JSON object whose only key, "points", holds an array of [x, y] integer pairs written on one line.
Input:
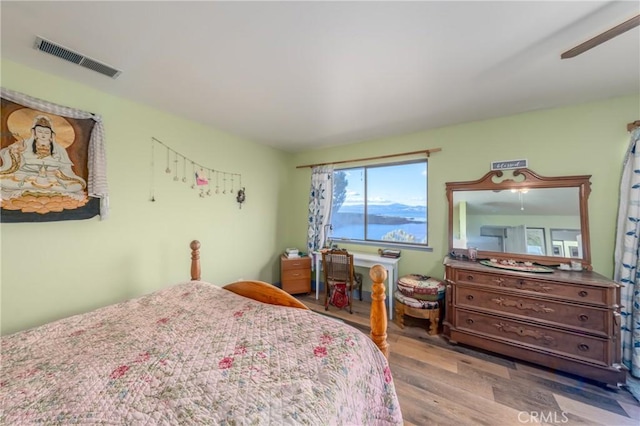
{"points": [[295, 274], [433, 315]]}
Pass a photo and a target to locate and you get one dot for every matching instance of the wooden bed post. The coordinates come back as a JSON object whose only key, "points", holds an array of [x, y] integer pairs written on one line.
{"points": [[378, 309], [195, 260]]}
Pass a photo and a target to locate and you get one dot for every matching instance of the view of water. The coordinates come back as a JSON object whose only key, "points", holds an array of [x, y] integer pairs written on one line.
{"points": [[344, 226], [417, 229]]}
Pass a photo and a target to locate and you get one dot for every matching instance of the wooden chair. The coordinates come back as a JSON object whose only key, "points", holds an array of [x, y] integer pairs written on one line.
{"points": [[357, 284], [338, 268]]}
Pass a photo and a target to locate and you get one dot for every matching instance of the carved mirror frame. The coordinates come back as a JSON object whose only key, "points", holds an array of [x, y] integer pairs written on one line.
{"points": [[526, 179]]}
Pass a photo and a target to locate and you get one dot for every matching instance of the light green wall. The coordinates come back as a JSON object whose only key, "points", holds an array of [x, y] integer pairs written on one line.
{"points": [[52, 270], [587, 139]]}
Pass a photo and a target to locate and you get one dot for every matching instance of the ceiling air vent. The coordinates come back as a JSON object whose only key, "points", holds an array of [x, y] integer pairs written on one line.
{"points": [[75, 57]]}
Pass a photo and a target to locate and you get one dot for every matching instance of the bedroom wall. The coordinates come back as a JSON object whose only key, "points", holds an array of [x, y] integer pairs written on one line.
{"points": [[583, 139], [52, 270]]}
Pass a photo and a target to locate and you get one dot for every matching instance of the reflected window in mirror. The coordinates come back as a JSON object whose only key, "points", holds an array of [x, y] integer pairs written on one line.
{"points": [[569, 242]]}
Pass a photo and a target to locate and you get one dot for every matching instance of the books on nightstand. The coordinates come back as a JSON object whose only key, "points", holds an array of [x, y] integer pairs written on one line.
{"points": [[292, 252]]}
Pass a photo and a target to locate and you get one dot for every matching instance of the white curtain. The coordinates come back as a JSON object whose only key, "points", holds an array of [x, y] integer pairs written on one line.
{"points": [[97, 181], [626, 255], [320, 200]]}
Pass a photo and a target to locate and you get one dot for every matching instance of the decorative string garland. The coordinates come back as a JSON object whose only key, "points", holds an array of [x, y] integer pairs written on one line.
{"points": [[201, 176]]}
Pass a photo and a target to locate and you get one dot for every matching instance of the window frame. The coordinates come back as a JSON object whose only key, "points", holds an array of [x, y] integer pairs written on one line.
{"points": [[384, 243]]}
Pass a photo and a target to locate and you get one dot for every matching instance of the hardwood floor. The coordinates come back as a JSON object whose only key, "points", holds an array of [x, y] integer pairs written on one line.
{"points": [[443, 384]]}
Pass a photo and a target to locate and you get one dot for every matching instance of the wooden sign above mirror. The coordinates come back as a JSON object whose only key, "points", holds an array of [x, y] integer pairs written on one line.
{"points": [[522, 216]]}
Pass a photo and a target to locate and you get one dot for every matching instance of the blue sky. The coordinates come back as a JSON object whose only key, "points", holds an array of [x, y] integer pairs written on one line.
{"points": [[402, 183]]}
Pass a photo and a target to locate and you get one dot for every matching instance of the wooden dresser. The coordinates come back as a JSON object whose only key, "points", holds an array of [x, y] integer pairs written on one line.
{"points": [[295, 274], [565, 320]]}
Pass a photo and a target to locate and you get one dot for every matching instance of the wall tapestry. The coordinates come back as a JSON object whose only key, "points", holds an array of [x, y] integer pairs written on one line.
{"points": [[52, 161]]}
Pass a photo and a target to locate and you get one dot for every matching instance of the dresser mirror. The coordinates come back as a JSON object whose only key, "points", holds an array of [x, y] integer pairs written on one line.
{"points": [[522, 216]]}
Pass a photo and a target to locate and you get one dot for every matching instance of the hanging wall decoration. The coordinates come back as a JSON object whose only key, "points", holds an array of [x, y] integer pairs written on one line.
{"points": [[241, 197], [201, 177], [52, 161]]}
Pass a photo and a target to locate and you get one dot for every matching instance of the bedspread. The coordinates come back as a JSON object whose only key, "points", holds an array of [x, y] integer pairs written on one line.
{"points": [[195, 354]]}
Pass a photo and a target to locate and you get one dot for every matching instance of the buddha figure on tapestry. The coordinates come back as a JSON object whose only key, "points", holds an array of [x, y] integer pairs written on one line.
{"points": [[37, 174]]}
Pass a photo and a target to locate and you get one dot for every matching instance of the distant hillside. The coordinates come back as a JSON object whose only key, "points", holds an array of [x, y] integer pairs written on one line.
{"points": [[374, 219], [385, 213]]}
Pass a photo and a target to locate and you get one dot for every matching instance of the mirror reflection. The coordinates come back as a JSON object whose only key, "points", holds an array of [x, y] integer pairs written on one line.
{"points": [[536, 221]]}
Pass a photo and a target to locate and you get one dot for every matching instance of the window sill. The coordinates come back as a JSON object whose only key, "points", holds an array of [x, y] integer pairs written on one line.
{"points": [[384, 245]]}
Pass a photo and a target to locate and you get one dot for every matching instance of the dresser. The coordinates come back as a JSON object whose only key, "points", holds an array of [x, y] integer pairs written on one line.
{"points": [[565, 320], [295, 274]]}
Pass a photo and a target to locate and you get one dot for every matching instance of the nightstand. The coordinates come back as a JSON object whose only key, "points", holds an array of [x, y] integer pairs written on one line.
{"points": [[295, 274]]}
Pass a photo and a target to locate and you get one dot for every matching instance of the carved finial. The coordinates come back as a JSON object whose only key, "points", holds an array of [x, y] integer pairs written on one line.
{"points": [[195, 260], [378, 274]]}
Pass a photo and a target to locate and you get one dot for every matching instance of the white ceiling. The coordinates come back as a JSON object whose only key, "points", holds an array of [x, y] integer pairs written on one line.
{"points": [[301, 75], [533, 202]]}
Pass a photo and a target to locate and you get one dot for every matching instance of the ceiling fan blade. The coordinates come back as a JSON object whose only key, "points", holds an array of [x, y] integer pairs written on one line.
{"points": [[601, 38]]}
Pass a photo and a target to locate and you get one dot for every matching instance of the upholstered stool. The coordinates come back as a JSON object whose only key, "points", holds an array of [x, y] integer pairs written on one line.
{"points": [[357, 283], [421, 287], [419, 296], [417, 309]]}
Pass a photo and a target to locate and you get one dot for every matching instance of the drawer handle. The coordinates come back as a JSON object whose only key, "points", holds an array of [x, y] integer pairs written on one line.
{"points": [[582, 347], [583, 293], [583, 317], [524, 285], [519, 304], [470, 277], [469, 321], [469, 297], [524, 332], [295, 275]]}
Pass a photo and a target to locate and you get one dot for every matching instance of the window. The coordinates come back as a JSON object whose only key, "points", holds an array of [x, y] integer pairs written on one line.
{"points": [[381, 203]]}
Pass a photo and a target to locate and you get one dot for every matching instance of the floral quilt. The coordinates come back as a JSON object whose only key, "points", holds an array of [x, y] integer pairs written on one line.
{"points": [[195, 354]]}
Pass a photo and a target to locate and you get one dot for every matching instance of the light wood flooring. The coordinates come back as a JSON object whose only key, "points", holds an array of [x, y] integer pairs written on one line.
{"points": [[443, 384]]}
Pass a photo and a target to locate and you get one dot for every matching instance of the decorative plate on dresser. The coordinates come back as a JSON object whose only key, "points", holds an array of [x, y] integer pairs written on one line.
{"points": [[519, 303]]}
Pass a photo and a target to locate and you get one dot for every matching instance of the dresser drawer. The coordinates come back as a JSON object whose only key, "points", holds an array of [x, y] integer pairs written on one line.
{"points": [[556, 313], [579, 293], [296, 286], [588, 348], [296, 274], [295, 263]]}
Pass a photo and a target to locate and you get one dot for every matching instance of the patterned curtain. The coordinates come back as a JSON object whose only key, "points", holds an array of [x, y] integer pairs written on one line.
{"points": [[627, 263], [320, 200]]}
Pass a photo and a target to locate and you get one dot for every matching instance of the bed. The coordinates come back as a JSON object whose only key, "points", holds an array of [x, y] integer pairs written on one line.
{"points": [[196, 353]]}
